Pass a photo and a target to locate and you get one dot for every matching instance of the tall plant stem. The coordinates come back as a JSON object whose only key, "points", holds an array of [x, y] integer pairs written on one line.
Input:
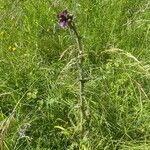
{"points": [[81, 101]]}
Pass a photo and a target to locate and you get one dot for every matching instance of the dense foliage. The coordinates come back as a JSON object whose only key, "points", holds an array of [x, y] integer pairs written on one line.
{"points": [[39, 76]]}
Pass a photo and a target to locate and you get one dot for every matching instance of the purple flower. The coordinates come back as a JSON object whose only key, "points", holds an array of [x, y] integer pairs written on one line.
{"points": [[64, 19]]}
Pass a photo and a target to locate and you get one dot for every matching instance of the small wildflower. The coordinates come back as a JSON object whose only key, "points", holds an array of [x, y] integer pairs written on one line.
{"points": [[14, 48], [64, 18]]}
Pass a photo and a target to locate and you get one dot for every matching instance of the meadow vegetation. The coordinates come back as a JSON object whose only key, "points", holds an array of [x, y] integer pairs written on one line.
{"points": [[39, 87]]}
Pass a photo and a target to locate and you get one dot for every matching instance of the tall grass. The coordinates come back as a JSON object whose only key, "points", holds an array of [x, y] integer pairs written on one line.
{"points": [[39, 75]]}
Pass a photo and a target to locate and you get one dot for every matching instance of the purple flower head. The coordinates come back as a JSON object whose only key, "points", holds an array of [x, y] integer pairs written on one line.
{"points": [[64, 18]]}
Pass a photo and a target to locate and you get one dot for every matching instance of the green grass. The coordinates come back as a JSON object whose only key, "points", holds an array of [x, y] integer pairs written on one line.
{"points": [[39, 78]]}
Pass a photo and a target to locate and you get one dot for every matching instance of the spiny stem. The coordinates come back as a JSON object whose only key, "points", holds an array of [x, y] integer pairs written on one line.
{"points": [[81, 101], [66, 19]]}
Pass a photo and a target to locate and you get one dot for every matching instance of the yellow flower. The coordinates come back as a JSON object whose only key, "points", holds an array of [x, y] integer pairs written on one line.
{"points": [[14, 48]]}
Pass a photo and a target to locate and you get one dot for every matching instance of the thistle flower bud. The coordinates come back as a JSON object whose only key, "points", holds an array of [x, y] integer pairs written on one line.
{"points": [[64, 19]]}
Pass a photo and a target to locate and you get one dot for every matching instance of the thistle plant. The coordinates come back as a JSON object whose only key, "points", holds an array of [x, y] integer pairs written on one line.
{"points": [[66, 20]]}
